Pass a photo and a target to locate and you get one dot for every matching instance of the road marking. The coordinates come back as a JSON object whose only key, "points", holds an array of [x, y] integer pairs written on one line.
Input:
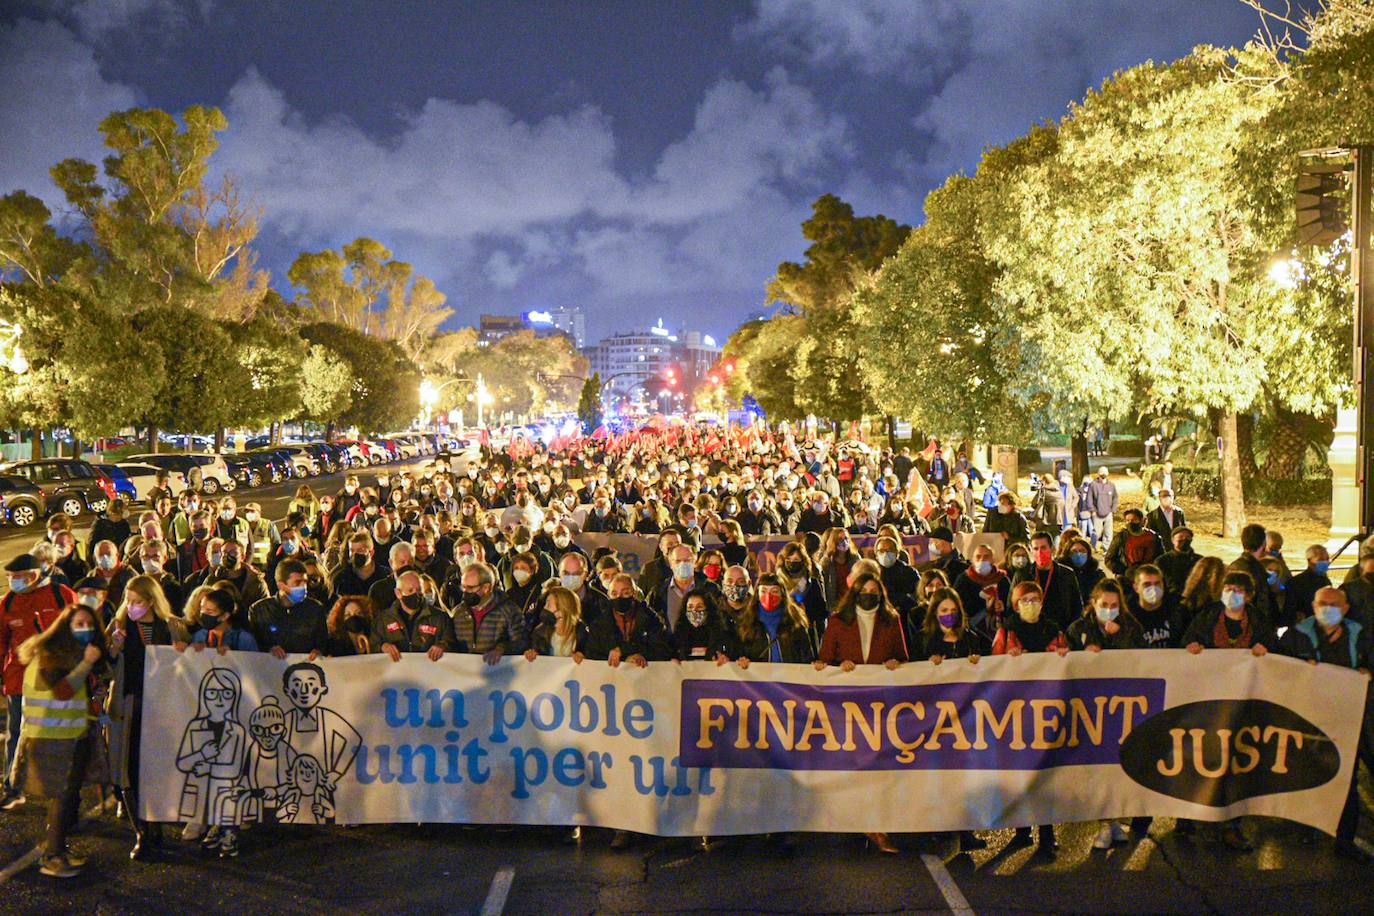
{"points": [[33, 855], [954, 897], [496, 897]]}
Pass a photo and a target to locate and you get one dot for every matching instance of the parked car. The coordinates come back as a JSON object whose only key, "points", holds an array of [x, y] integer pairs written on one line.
{"points": [[277, 465], [210, 470], [124, 487], [360, 452], [333, 456], [306, 463], [70, 485], [144, 478], [21, 501]]}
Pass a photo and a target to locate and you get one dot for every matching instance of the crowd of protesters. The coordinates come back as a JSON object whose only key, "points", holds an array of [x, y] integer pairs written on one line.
{"points": [[482, 558]]}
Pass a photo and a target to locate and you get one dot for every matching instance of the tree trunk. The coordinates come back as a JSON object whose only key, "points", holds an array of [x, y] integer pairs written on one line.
{"points": [[152, 438], [892, 432], [1078, 453], [35, 444], [329, 431], [219, 440], [1245, 437], [1293, 434], [76, 447], [1232, 487]]}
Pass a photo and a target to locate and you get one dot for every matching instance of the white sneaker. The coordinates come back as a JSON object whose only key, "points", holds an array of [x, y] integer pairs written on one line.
{"points": [[1104, 838], [14, 801], [1119, 834], [193, 831]]}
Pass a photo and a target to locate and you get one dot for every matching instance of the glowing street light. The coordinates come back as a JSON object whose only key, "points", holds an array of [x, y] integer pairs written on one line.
{"points": [[1287, 273]]}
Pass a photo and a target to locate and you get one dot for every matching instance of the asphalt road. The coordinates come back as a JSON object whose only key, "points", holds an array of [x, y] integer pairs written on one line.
{"points": [[456, 869], [273, 498]]}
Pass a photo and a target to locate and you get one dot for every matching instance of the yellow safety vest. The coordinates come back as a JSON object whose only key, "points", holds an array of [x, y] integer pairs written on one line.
{"points": [[45, 716]]}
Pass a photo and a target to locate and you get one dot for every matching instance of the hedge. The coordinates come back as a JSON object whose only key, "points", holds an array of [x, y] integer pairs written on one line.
{"points": [[1027, 456], [1126, 448], [1205, 484]]}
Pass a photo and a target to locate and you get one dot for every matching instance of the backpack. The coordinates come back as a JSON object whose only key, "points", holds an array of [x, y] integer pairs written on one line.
{"points": [[56, 597], [1138, 548]]}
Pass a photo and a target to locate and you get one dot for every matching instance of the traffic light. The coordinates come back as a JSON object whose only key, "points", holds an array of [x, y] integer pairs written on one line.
{"points": [[1323, 202]]}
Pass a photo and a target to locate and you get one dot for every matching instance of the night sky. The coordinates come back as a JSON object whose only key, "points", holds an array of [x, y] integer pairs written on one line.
{"points": [[639, 159]]}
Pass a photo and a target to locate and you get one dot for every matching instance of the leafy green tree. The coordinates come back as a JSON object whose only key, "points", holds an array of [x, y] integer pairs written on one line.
{"points": [[361, 286], [326, 385], [589, 404], [843, 250], [955, 378], [386, 385]]}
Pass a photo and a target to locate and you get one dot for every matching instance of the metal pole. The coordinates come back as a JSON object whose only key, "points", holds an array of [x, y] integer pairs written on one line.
{"points": [[1362, 271], [481, 389]]}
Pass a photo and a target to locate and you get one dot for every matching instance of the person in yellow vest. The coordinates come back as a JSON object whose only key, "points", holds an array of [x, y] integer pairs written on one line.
{"points": [[263, 536], [55, 744]]}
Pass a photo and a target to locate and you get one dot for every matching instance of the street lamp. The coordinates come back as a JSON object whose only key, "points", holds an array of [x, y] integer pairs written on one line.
{"points": [[429, 393], [1287, 272]]}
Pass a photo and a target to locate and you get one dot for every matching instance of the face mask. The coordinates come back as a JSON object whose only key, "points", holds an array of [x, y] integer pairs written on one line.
{"points": [[622, 606], [1134, 527], [886, 559], [296, 595], [226, 515], [89, 601], [1029, 610], [84, 635], [683, 570], [152, 567], [948, 621], [770, 601], [1004, 509], [350, 489], [1320, 567], [867, 601], [696, 618], [199, 533], [755, 505], [1329, 615], [712, 571], [1233, 600], [736, 594], [983, 567], [1152, 595], [522, 547], [1018, 561], [413, 602], [785, 503], [209, 621], [1079, 558], [1273, 578], [794, 568], [819, 508], [19, 584], [521, 576], [251, 516], [602, 510], [465, 560], [571, 581], [326, 507], [471, 599], [1106, 614], [289, 547], [383, 481], [547, 527], [842, 546], [561, 542], [1043, 557], [138, 610], [105, 562], [230, 560]]}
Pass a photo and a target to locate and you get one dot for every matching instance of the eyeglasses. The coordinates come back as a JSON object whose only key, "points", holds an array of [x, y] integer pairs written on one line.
{"points": [[219, 693], [261, 730]]}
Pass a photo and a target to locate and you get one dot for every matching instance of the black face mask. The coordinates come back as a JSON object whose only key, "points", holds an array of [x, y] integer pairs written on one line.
{"points": [[471, 599], [359, 560], [794, 568], [230, 560], [868, 602], [622, 605], [413, 602], [209, 621], [1134, 527], [1185, 545], [357, 625]]}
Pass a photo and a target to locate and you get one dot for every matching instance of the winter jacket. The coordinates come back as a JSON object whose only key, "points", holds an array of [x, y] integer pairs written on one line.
{"points": [[1102, 497]]}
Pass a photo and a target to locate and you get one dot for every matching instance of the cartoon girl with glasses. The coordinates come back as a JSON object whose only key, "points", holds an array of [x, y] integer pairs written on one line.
{"points": [[212, 753], [270, 759]]}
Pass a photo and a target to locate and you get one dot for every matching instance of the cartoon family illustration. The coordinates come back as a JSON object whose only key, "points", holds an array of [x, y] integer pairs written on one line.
{"points": [[283, 769]]}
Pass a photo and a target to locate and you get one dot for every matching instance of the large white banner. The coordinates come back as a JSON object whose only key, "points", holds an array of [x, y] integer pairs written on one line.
{"points": [[699, 749]]}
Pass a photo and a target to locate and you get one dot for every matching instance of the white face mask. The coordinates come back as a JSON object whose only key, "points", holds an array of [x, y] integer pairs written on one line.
{"points": [[1029, 609], [520, 576], [1152, 595]]}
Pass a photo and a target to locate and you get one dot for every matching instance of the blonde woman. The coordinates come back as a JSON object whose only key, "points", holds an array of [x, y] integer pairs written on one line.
{"points": [[560, 632], [143, 619]]}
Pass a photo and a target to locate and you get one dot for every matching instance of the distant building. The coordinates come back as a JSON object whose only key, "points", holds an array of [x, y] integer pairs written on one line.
{"points": [[630, 358], [491, 328], [568, 319]]}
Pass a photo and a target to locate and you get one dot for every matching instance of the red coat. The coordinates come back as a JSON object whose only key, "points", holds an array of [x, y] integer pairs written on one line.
{"points": [[842, 642], [22, 616]]}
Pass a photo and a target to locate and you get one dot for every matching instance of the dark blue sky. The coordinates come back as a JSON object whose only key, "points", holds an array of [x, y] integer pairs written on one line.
{"points": [[638, 159]]}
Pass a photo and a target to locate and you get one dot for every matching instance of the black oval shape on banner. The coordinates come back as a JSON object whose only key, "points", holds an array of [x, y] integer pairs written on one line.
{"points": [[1248, 748]]}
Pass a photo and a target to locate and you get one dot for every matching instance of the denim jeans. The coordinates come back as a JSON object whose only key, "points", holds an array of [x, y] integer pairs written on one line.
{"points": [[13, 723]]}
